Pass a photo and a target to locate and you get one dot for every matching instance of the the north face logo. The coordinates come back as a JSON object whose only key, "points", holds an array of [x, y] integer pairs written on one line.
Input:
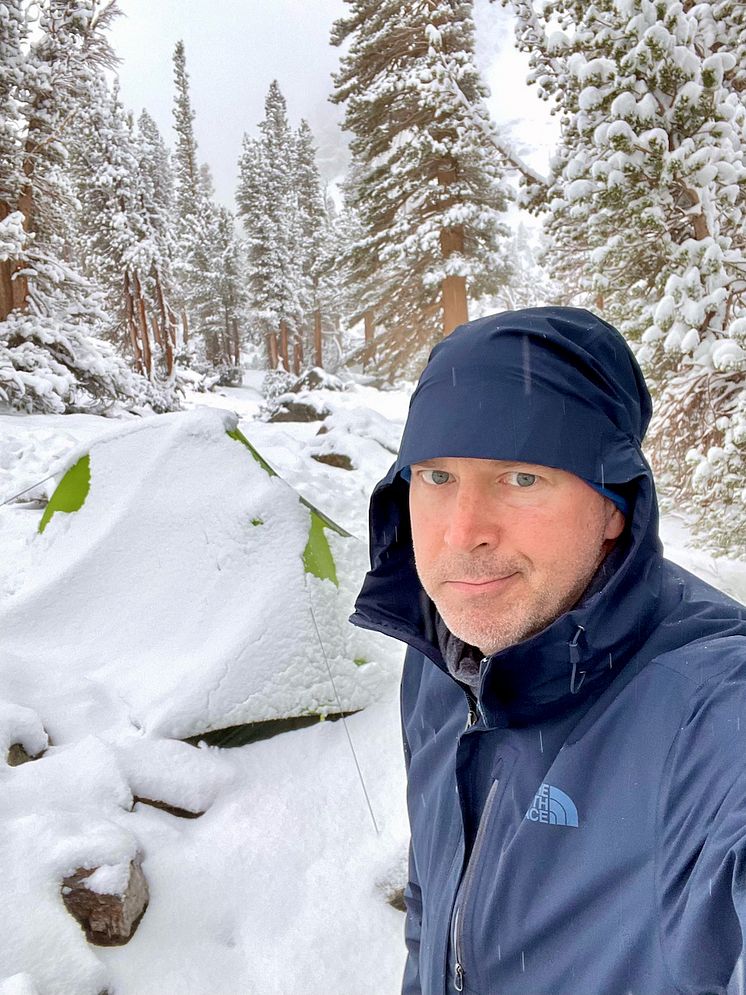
{"points": [[554, 807]]}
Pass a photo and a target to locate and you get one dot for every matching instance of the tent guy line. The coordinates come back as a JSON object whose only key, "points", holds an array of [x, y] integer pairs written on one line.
{"points": [[342, 714]]}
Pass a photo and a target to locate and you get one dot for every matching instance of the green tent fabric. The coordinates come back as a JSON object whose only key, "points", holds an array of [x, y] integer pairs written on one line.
{"points": [[73, 488], [71, 492], [317, 556]]}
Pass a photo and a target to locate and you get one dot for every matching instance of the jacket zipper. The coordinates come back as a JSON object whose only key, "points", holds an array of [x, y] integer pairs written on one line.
{"points": [[458, 970], [473, 712]]}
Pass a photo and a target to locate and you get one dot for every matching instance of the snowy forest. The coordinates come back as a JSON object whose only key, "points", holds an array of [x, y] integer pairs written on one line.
{"points": [[200, 758], [122, 279]]}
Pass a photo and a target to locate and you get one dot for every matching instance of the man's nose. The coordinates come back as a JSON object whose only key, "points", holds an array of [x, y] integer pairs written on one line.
{"points": [[471, 521]]}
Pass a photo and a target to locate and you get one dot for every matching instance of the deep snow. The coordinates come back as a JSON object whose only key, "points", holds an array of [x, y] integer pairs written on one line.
{"points": [[136, 620]]}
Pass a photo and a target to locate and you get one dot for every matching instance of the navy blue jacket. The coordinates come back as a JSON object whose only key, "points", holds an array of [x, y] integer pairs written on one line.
{"points": [[584, 833]]}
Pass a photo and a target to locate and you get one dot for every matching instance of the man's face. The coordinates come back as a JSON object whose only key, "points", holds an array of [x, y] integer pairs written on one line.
{"points": [[503, 549]]}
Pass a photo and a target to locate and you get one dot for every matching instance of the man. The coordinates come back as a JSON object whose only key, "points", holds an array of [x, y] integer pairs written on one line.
{"points": [[574, 706]]}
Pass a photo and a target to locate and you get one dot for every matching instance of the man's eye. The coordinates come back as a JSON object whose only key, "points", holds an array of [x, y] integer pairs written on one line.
{"points": [[521, 479], [436, 476]]}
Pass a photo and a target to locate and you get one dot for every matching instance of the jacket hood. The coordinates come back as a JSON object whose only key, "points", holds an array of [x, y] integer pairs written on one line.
{"points": [[558, 387]]}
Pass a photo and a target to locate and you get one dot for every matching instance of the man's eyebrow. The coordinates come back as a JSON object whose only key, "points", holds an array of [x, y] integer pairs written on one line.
{"points": [[504, 464]]}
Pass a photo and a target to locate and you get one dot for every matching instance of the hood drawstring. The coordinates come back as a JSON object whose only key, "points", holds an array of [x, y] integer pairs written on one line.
{"points": [[575, 684]]}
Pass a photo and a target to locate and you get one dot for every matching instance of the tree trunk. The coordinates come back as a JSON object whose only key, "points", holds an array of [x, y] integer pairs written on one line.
{"points": [[185, 326], [453, 288], [284, 354], [168, 326], [297, 355], [13, 292], [236, 343], [142, 322], [272, 350], [318, 355], [156, 330], [369, 326], [129, 305]]}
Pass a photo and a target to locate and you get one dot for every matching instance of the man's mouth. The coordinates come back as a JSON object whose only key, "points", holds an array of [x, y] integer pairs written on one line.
{"points": [[481, 586]]}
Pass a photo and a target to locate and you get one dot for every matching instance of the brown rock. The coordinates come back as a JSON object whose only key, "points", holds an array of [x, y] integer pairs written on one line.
{"points": [[108, 920], [395, 898], [17, 755], [315, 378], [334, 459], [298, 411], [182, 813]]}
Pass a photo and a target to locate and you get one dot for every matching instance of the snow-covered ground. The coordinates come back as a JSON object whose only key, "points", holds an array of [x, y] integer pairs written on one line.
{"points": [[170, 604]]}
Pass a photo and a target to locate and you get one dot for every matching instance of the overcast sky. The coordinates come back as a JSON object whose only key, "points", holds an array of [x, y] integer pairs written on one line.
{"points": [[235, 48]]}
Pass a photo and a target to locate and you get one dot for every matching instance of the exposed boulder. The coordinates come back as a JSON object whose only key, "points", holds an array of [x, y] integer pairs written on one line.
{"points": [[314, 379], [289, 409], [334, 459], [17, 755], [108, 908]]}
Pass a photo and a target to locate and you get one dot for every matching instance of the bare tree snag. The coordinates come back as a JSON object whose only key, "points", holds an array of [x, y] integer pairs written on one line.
{"points": [[168, 325], [318, 357], [298, 353], [13, 288], [272, 350], [155, 328], [284, 354], [236, 343], [142, 320], [129, 306]]}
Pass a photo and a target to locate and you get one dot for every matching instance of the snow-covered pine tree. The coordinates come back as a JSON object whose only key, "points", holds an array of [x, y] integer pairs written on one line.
{"points": [[218, 301], [157, 185], [196, 221], [530, 285], [119, 242], [13, 40], [49, 314], [268, 208], [316, 244], [647, 192], [426, 183]]}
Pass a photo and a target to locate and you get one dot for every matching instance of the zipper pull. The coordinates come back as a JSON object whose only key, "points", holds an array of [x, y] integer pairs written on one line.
{"points": [[473, 715], [458, 977], [575, 684]]}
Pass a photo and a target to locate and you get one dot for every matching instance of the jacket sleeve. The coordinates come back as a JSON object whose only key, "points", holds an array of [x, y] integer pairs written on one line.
{"points": [[701, 854], [412, 928], [412, 895]]}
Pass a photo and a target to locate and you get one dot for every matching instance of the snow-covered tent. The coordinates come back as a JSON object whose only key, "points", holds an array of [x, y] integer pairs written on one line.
{"points": [[178, 584]]}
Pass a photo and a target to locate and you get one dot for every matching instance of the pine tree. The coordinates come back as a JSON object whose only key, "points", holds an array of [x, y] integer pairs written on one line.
{"points": [[199, 238], [647, 196], [530, 285], [267, 205], [13, 40], [50, 358], [189, 212], [316, 238], [425, 181], [157, 186], [120, 242]]}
